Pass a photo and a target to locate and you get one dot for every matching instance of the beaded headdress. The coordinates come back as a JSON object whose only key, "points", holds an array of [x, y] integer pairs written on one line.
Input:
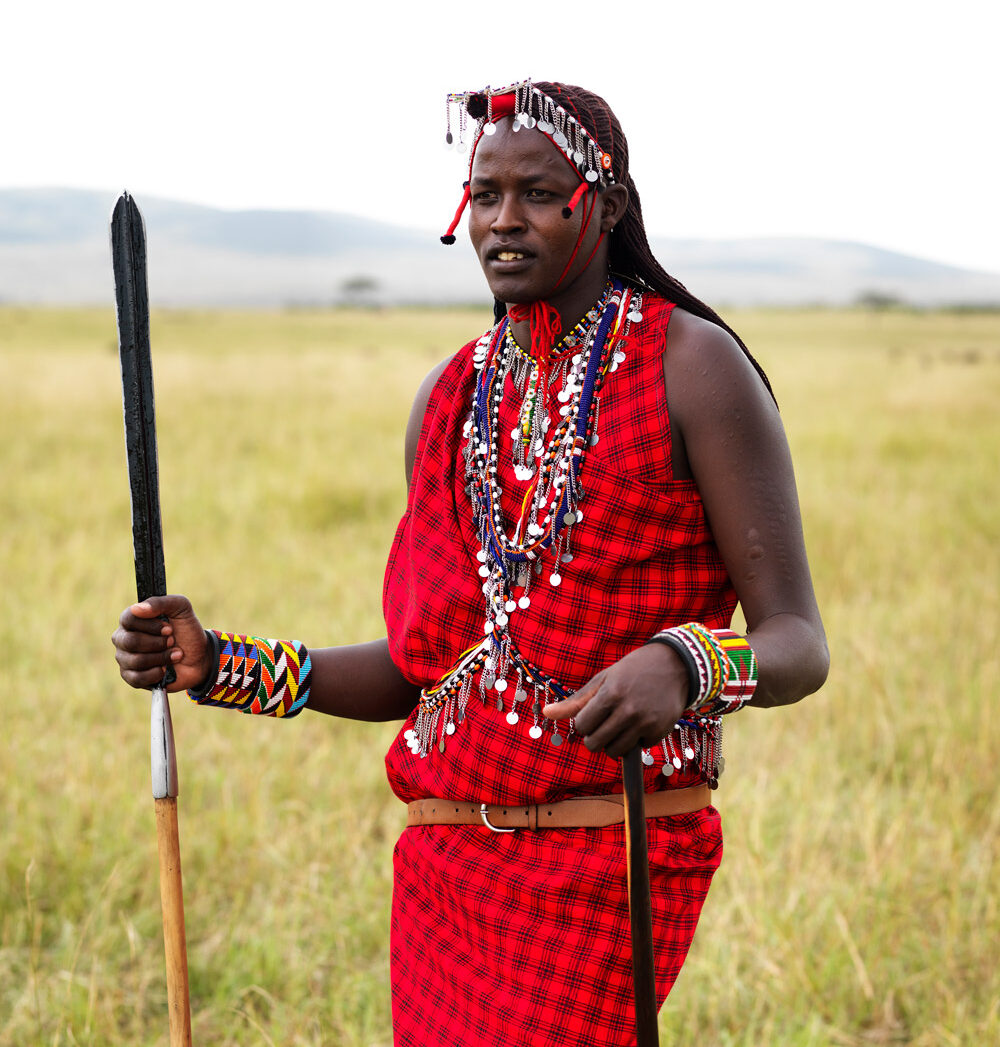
{"points": [[531, 108]]}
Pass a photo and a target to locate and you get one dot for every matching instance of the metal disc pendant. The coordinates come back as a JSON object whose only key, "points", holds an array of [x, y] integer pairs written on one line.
{"points": [[535, 732], [523, 603], [556, 739], [509, 606], [489, 129], [677, 762], [647, 758], [689, 753], [489, 679], [555, 580], [634, 315], [668, 770], [501, 685], [450, 729], [520, 695], [512, 717]]}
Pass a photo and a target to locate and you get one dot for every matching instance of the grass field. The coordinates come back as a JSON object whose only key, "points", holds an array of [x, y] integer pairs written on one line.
{"points": [[858, 900]]}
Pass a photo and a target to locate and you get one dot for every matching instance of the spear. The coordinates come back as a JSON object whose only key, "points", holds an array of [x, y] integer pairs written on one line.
{"points": [[128, 255], [639, 903]]}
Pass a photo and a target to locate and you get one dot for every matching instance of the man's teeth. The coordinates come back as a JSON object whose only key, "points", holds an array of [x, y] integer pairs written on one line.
{"points": [[509, 256]]}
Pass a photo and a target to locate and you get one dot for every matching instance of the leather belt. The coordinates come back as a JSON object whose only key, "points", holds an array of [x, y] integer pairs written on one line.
{"points": [[593, 812]]}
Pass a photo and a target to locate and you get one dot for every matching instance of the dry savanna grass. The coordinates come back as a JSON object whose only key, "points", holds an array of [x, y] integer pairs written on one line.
{"points": [[857, 903]]}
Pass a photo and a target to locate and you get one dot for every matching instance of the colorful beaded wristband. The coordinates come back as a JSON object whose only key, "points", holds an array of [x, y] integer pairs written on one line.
{"points": [[257, 676], [721, 666]]}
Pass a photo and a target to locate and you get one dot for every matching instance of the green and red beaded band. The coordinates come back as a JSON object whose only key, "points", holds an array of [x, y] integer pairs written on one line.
{"points": [[721, 665], [255, 675]]}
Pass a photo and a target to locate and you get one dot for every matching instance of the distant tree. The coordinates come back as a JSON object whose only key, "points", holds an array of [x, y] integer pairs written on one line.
{"points": [[878, 301], [359, 290]]}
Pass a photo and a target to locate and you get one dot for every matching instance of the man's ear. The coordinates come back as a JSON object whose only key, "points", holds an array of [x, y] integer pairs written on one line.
{"points": [[614, 200]]}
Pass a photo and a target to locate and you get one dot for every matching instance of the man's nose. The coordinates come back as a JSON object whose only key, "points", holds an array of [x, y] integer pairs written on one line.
{"points": [[509, 215]]}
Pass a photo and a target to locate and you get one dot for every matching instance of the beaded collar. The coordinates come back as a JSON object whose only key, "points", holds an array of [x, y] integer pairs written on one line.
{"points": [[574, 337]]}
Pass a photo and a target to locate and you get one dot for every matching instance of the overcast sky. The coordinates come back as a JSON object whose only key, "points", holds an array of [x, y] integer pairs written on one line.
{"points": [[871, 121]]}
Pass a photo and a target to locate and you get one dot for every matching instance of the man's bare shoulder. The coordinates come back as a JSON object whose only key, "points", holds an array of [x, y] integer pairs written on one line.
{"points": [[704, 364]]}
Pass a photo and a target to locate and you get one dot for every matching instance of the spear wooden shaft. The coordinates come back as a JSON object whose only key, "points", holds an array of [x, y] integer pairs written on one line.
{"points": [[639, 902], [128, 253]]}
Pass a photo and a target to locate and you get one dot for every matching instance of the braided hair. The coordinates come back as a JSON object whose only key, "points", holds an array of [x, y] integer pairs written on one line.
{"points": [[629, 253]]}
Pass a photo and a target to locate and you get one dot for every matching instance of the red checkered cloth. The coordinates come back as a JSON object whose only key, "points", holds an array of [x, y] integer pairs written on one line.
{"points": [[523, 938]]}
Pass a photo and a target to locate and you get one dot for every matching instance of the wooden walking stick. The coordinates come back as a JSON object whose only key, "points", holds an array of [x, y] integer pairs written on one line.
{"points": [[639, 904], [128, 253]]}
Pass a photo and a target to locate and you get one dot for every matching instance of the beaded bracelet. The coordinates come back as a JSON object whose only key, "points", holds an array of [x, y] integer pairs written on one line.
{"points": [[721, 666], [257, 676]]}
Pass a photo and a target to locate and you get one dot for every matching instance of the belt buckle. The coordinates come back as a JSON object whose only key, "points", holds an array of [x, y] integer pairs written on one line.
{"points": [[484, 814]]}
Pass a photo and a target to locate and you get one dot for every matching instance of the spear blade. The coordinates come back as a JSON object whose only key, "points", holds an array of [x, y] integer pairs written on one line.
{"points": [[128, 254]]}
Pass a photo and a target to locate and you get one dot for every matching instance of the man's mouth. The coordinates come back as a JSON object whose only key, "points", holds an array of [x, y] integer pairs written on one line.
{"points": [[508, 254]]}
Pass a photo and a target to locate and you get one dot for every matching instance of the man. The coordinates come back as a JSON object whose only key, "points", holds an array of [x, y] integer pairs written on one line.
{"points": [[593, 484]]}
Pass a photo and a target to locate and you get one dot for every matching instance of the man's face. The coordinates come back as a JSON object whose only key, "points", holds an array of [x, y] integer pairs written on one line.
{"points": [[519, 186]]}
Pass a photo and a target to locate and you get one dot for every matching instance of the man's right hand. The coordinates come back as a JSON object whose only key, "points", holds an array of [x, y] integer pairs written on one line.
{"points": [[158, 632]]}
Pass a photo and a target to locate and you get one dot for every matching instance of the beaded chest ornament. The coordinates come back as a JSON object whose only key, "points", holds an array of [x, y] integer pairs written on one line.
{"points": [[551, 464]]}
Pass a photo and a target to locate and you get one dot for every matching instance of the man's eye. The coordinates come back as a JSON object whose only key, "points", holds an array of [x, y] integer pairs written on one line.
{"points": [[539, 194]]}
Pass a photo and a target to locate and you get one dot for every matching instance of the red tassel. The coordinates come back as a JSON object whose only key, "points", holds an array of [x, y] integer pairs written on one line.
{"points": [[545, 326], [567, 211], [449, 236]]}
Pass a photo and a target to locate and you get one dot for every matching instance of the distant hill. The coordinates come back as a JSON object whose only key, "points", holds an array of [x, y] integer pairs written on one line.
{"points": [[54, 250]]}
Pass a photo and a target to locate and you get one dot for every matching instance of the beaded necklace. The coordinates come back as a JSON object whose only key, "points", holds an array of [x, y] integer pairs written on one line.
{"points": [[551, 467], [533, 381]]}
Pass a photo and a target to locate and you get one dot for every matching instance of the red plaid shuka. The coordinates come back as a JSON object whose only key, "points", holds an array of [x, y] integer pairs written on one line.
{"points": [[523, 938]]}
